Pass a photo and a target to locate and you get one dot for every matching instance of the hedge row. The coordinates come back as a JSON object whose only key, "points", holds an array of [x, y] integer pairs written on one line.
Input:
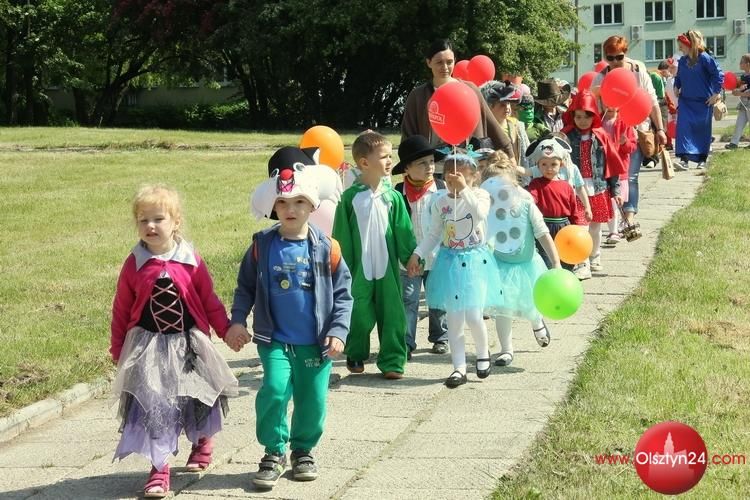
{"points": [[193, 116]]}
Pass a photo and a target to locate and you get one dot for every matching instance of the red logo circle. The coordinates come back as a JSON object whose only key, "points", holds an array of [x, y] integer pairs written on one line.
{"points": [[670, 458]]}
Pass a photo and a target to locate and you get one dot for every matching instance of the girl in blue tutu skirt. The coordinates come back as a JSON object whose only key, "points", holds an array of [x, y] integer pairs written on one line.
{"points": [[464, 267], [514, 224]]}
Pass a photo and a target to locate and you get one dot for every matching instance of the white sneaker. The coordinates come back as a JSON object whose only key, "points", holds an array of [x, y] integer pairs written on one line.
{"points": [[596, 263], [582, 271], [681, 165], [701, 165]]}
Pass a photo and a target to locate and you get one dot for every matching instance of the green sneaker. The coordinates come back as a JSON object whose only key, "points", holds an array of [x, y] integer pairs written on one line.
{"points": [[269, 471], [303, 466]]}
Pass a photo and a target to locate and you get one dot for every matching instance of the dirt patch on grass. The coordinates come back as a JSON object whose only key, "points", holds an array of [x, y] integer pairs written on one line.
{"points": [[724, 333], [26, 375]]}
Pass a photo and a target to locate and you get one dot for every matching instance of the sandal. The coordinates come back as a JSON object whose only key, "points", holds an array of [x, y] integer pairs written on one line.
{"points": [[484, 373], [455, 379], [542, 335], [201, 455], [157, 485], [504, 359]]}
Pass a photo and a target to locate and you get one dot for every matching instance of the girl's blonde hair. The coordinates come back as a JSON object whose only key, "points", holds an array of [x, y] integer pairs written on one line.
{"points": [[745, 59], [697, 44], [500, 165], [164, 197]]}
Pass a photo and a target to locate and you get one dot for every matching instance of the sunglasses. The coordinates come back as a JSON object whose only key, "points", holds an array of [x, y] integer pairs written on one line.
{"points": [[618, 57]]}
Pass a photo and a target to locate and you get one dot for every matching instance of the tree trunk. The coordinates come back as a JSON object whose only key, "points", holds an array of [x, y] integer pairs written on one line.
{"points": [[107, 104], [10, 98], [82, 107], [28, 90]]}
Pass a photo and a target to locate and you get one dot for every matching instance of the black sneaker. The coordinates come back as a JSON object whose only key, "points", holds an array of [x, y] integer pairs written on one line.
{"points": [[303, 466], [439, 348], [731, 145], [269, 471]]}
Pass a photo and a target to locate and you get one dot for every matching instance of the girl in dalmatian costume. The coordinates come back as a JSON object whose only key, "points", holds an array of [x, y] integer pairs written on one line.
{"points": [[464, 267], [514, 223]]}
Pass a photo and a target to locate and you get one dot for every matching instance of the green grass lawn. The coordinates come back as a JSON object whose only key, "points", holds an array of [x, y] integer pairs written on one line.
{"points": [[678, 349], [103, 138], [66, 228]]}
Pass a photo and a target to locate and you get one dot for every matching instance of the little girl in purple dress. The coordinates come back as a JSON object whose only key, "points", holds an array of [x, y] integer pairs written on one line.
{"points": [[170, 377]]}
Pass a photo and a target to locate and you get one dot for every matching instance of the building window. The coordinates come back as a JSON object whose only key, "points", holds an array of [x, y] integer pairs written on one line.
{"points": [[607, 13], [658, 50], [599, 54], [709, 9], [716, 44], [658, 12]]}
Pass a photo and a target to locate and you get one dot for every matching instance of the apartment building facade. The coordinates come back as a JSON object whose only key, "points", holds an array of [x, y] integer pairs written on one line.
{"points": [[652, 27]]}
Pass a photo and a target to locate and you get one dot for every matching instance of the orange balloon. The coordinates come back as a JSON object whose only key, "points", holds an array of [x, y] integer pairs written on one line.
{"points": [[574, 244], [328, 141]]}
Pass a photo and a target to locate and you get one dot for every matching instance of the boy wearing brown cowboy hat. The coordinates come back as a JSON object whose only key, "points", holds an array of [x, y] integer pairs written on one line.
{"points": [[551, 102], [417, 163]]}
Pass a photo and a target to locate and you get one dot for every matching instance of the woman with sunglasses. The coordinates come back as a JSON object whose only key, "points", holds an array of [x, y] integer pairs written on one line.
{"points": [[698, 85], [616, 48]]}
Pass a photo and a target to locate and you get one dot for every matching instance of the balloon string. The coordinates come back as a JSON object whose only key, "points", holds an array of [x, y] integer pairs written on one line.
{"points": [[455, 194]]}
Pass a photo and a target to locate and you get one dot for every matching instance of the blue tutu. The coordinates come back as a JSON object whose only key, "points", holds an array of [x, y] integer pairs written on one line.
{"points": [[464, 279], [517, 281]]}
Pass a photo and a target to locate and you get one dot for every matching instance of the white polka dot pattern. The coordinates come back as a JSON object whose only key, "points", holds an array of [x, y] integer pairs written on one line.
{"points": [[507, 231]]}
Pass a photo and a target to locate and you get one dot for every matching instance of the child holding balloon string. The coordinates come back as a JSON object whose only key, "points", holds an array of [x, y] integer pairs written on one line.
{"points": [[568, 172], [600, 164], [625, 139], [514, 226], [553, 196], [464, 270]]}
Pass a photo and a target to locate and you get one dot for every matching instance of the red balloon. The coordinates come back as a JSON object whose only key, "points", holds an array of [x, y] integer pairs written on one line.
{"points": [[584, 83], [460, 70], [672, 129], [618, 87], [600, 66], [453, 111], [481, 69], [636, 109], [730, 81]]}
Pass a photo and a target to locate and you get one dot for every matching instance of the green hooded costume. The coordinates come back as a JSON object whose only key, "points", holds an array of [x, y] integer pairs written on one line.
{"points": [[375, 234]]}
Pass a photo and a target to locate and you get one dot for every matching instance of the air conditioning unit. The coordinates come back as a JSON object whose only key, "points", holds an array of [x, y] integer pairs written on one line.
{"points": [[636, 32], [740, 26]]}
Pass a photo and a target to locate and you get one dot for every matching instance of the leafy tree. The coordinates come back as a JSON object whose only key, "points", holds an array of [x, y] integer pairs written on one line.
{"points": [[30, 53], [353, 63], [126, 40]]}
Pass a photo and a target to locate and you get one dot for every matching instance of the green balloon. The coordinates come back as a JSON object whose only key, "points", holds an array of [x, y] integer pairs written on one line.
{"points": [[558, 294]]}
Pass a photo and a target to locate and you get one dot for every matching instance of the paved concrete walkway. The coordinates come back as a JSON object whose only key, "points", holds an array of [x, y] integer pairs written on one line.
{"points": [[412, 438]]}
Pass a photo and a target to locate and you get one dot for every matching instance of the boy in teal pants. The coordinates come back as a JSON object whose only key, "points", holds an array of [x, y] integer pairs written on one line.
{"points": [[375, 233], [293, 278]]}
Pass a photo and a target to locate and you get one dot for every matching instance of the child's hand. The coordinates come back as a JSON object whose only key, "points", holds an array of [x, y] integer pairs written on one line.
{"points": [[335, 346], [456, 181], [618, 200], [413, 267], [236, 337], [623, 139], [588, 214]]}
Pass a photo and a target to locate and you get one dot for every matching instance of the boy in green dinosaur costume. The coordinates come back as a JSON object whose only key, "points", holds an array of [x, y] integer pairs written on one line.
{"points": [[375, 234]]}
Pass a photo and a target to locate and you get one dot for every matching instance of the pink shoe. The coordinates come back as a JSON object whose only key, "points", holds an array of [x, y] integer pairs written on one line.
{"points": [[157, 485], [201, 455]]}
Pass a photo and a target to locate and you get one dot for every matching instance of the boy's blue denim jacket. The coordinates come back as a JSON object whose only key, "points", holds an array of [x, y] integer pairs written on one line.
{"points": [[333, 298]]}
